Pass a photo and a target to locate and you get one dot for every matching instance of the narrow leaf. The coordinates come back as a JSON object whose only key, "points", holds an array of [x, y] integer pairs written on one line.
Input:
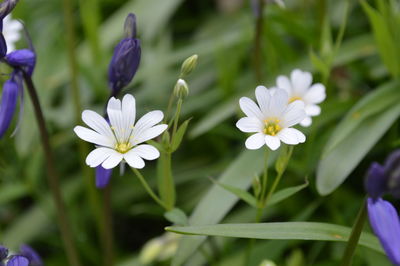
{"points": [[177, 139], [286, 193], [240, 193]]}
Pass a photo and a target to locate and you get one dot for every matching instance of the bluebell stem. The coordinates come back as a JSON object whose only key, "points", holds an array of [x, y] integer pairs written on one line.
{"points": [[126, 58], [8, 103], [29, 253], [383, 217], [18, 261]]}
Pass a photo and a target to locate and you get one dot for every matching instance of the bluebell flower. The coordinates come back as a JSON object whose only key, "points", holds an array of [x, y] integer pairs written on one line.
{"points": [[126, 58], [383, 217], [24, 59], [18, 261], [5, 8], [385, 223], [102, 176], [31, 255], [8, 103], [384, 179]]}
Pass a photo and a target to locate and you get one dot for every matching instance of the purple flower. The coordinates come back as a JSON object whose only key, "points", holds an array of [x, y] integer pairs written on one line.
{"points": [[126, 58], [18, 261], [31, 255], [3, 254], [102, 176], [24, 58], [6, 7], [385, 223], [384, 179], [8, 103]]}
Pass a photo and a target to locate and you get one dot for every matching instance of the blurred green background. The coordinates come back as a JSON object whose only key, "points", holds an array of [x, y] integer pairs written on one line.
{"points": [[304, 34]]}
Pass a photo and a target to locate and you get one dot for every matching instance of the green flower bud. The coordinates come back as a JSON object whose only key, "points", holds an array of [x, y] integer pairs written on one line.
{"points": [[181, 89], [188, 65]]}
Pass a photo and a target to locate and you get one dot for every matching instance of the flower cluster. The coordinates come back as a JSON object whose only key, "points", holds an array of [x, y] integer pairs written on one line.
{"points": [[27, 256], [293, 101], [21, 61], [383, 217]]}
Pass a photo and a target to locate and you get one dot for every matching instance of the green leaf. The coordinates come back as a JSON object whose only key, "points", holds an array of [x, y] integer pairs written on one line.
{"points": [[384, 38], [177, 139], [286, 230], [286, 193], [240, 193], [364, 125], [239, 174], [176, 216]]}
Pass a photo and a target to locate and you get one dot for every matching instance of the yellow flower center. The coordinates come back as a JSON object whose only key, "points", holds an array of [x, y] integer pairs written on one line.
{"points": [[271, 126], [123, 147], [294, 98]]}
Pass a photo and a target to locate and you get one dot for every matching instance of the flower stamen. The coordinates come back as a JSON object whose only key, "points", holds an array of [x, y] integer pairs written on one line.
{"points": [[294, 98], [271, 126], [123, 147]]}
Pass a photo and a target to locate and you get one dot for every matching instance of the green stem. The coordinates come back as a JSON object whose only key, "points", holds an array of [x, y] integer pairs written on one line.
{"points": [[148, 188], [94, 200], [264, 182], [52, 176], [354, 236], [176, 117], [257, 56], [108, 230]]}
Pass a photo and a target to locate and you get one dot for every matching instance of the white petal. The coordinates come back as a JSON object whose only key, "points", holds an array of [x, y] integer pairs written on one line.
{"points": [[291, 136], [115, 115], [97, 156], [147, 121], [133, 159], [272, 142], [250, 108], [249, 124], [147, 152], [316, 94], [301, 81], [128, 111], [97, 123], [263, 97], [293, 114], [306, 122], [312, 110], [148, 134], [278, 103], [282, 82], [273, 90], [113, 160], [255, 141], [93, 137]]}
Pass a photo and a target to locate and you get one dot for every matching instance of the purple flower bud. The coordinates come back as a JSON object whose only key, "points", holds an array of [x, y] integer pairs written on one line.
{"points": [[130, 26], [31, 255], [8, 104], [3, 46], [375, 183], [385, 223], [124, 64], [3, 252], [102, 176], [18, 261], [24, 58]]}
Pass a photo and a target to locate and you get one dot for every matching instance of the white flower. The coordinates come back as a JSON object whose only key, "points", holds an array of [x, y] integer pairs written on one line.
{"points": [[299, 87], [271, 119], [11, 32], [120, 140]]}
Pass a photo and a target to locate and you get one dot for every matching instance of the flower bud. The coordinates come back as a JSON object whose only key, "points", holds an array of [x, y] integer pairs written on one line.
{"points": [[181, 89], [130, 26], [124, 64], [188, 65], [24, 58], [392, 173], [375, 182], [3, 45], [8, 104]]}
